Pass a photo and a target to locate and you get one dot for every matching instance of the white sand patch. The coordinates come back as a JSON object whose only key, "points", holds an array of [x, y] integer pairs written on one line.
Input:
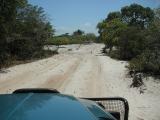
{"points": [[82, 70]]}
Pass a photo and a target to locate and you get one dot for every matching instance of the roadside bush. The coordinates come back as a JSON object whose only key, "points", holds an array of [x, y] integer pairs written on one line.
{"points": [[114, 54], [24, 29], [22, 49], [131, 43], [147, 62], [71, 39], [58, 40], [44, 53], [135, 33]]}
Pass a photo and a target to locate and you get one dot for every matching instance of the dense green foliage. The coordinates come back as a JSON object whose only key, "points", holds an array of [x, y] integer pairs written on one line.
{"points": [[134, 33], [137, 15], [113, 15], [78, 37], [131, 43], [78, 32], [149, 60], [110, 31], [24, 30]]}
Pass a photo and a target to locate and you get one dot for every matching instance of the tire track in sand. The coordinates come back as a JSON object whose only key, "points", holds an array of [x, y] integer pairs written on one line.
{"points": [[28, 78]]}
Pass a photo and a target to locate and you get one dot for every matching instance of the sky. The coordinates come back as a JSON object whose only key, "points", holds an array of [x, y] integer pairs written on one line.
{"points": [[67, 16]]}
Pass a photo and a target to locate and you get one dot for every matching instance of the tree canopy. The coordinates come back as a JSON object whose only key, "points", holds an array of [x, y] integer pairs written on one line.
{"points": [[24, 29], [137, 15], [78, 32], [113, 15], [134, 32]]}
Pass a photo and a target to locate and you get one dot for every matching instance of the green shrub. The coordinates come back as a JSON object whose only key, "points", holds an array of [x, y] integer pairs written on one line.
{"points": [[147, 62], [114, 54], [131, 43], [58, 40]]}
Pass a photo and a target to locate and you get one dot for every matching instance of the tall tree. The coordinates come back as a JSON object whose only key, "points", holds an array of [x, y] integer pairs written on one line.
{"points": [[137, 15], [113, 15], [78, 32], [110, 32], [32, 30], [8, 12]]}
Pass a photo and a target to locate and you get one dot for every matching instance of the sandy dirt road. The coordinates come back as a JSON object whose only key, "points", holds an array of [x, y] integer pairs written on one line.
{"points": [[81, 70]]}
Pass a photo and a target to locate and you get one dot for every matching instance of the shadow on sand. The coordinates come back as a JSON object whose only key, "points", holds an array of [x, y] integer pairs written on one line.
{"points": [[3, 71]]}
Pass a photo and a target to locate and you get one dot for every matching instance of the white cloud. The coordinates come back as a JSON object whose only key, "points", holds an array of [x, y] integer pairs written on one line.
{"points": [[87, 24]]}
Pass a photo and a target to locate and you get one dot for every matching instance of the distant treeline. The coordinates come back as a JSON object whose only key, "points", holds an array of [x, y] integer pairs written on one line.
{"points": [[78, 37], [133, 34]]}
